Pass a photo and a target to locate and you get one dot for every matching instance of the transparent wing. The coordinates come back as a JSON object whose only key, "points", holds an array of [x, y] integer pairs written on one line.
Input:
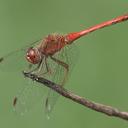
{"points": [[29, 94], [68, 55], [15, 61], [27, 97]]}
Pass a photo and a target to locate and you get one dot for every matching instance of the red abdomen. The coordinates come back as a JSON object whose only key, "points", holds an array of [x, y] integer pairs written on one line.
{"points": [[52, 44]]}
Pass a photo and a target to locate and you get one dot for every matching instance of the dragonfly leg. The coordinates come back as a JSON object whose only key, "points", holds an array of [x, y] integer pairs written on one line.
{"points": [[36, 68], [40, 67], [64, 65], [47, 67]]}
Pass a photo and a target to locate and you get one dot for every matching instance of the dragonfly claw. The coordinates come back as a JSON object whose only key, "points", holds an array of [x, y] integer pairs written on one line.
{"points": [[32, 76]]}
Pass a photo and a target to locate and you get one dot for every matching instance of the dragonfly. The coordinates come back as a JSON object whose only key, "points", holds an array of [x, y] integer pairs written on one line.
{"points": [[52, 58]]}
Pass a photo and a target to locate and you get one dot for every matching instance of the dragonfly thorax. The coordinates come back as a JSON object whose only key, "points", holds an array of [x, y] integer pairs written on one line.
{"points": [[33, 55]]}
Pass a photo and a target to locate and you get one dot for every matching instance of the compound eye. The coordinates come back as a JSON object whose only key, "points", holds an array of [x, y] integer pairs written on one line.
{"points": [[33, 56]]}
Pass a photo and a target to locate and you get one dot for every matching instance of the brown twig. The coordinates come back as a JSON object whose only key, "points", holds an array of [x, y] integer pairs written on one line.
{"points": [[108, 110]]}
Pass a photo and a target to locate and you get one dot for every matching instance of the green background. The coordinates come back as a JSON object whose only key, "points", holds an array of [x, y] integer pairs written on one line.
{"points": [[100, 74]]}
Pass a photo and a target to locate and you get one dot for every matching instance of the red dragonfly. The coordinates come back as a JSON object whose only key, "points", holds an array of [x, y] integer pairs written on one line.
{"points": [[49, 58]]}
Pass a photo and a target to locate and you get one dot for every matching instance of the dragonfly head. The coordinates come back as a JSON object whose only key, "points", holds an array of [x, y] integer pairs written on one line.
{"points": [[33, 55]]}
